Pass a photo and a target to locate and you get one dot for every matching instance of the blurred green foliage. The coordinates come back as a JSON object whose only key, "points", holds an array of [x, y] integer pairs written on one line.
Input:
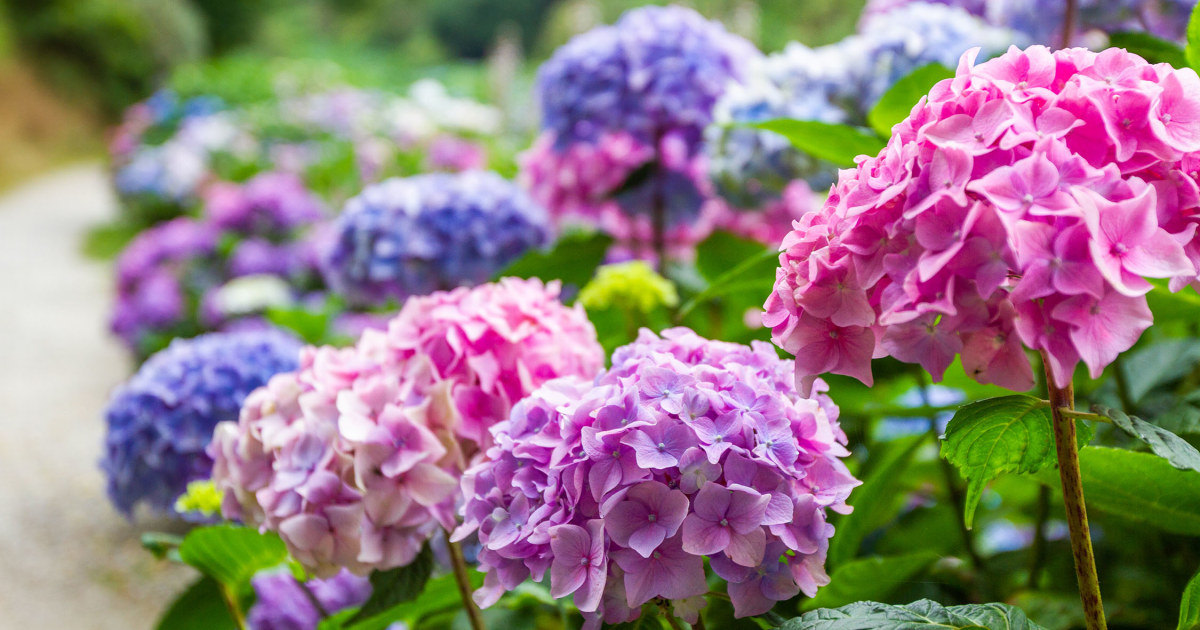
{"points": [[469, 28]]}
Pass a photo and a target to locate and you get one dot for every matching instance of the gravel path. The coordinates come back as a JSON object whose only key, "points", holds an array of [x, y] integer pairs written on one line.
{"points": [[67, 559]]}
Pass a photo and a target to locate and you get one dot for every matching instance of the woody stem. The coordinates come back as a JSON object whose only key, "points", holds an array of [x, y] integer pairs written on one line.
{"points": [[459, 564], [1072, 486]]}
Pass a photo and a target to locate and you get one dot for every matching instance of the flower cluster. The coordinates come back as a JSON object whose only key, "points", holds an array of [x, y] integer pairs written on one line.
{"points": [[621, 486], [1022, 204], [250, 250], [282, 604], [420, 234], [656, 72], [629, 286], [161, 420], [838, 83], [354, 459], [1043, 23]]}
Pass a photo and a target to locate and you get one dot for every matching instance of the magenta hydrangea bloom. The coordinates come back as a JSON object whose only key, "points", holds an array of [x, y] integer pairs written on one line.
{"points": [[269, 205], [282, 604], [621, 485], [1021, 205], [355, 458]]}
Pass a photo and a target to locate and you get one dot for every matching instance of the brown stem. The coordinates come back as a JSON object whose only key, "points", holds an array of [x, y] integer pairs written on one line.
{"points": [[235, 609], [464, 584], [1068, 27], [1072, 486], [312, 598]]}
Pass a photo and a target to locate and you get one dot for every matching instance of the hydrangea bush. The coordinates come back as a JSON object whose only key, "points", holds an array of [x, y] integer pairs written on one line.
{"points": [[354, 459], [1022, 204], [685, 449], [416, 235], [160, 422]]}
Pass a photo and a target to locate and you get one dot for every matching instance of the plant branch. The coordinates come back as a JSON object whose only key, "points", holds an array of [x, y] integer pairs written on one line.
{"points": [[235, 610], [1068, 26], [312, 597], [957, 500], [1083, 415], [464, 584], [669, 615], [1072, 485], [1038, 554]]}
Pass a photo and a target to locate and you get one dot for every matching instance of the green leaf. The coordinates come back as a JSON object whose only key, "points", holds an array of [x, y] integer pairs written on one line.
{"points": [[573, 259], [1158, 364], [723, 251], [1167, 306], [312, 327], [838, 144], [985, 439], [897, 103], [1151, 48], [1189, 608], [753, 274], [1162, 442], [870, 579], [921, 615], [1138, 486], [396, 586], [200, 607], [162, 545], [440, 595], [232, 554], [1192, 50], [876, 501]]}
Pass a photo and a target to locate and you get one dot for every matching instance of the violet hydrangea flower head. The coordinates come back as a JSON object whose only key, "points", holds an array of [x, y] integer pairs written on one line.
{"points": [[270, 204], [354, 459], [686, 448], [1023, 204], [420, 234], [161, 420], [282, 604], [657, 71]]}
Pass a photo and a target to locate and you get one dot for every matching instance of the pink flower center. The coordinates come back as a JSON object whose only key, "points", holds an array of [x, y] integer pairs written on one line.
{"points": [[583, 562], [724, 522], [652, 517]]}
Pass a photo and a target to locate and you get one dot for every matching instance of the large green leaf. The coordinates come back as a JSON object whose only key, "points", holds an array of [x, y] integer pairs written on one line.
{"points": [[753, 274], [1162, 442], [870, 579], [200, 607], [573, 259], [838, 144], [921, 615], [985, 439], [1181, 305], [1193, 39], [1151, 48], [395, 586], [875, 502], [1189, 607], [231, 554], [1138, 486], [896, 104], [723, 251], [1158, 364]]}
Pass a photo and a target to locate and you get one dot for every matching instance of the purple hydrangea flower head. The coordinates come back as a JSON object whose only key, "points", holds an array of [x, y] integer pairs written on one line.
{"points": [[161, 421], [282, 604], [657, 71], [270, 204], [355, 458], [621, 485], [416, 235]]}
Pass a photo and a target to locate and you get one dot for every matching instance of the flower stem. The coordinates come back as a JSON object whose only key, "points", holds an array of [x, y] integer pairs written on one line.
{"points": [[1072, 486], [235, 610], [1083, 415], [312, 597], [464, 584], [1068, 27]]}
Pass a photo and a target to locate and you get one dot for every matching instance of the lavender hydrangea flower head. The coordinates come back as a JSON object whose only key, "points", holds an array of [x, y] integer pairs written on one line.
{"points": [[416, 235], [355, 458], [282, 604], [621, 486], [658, 71], [162, 419], [270, 204]]}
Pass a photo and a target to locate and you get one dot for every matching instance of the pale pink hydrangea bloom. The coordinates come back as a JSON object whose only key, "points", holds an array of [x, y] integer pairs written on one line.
{"points": [[1021, 205], [355, 459]]}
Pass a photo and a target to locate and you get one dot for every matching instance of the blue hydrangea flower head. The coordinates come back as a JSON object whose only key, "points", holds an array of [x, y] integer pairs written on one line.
{"points": [[657, 71], [161, 420], [416, 235]]}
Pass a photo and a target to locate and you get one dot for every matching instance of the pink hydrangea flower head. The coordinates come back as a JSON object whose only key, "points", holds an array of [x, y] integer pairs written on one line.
{"points": [[621, 485], [355, 458], [1021, 206]]}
